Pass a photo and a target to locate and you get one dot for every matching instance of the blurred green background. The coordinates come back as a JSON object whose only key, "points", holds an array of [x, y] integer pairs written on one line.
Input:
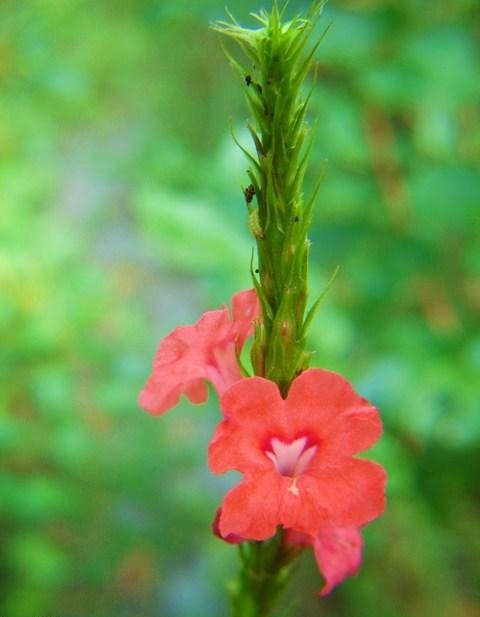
{"points": [[121, 215]]}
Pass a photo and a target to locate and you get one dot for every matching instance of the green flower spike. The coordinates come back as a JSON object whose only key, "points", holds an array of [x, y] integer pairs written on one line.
{"points": [[278, 56]]}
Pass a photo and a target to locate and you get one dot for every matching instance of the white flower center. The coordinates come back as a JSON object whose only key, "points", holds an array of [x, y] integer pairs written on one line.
{"points": [[291, 459]]}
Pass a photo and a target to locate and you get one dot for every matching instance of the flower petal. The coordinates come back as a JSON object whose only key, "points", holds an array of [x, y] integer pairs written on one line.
{"points": [[156, 398], [212, 327], [230, 449], [302, 508], [297, 538], [175, 367], [352, 493], [358, 429], [338, 552], [245, 309], [222, 368], [250, 509], [196, 391], [232, 538], [317, 396], [256, 405], [325, 405], [349, 433]]}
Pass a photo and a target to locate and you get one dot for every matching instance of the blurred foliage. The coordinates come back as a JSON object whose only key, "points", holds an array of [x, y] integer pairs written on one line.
{"points": [[121, 215]]}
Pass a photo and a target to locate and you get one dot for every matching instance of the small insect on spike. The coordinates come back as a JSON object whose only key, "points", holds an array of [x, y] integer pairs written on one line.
{"points": [[249, 193], [254, 224], [248, 80]]}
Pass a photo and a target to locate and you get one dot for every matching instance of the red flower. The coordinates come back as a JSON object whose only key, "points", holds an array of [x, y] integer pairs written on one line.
{"points": [[338, 551], [297, 456], [205, 350]]}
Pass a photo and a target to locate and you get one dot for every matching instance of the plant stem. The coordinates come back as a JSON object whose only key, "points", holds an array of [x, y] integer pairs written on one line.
{"points": [[265, 573]]}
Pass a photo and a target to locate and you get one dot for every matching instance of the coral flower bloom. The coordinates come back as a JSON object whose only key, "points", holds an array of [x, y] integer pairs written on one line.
{"points": [[206, 350], [296, 455]]}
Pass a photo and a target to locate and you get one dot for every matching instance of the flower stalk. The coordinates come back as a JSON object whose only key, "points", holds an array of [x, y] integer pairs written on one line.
{"points": [[277, 58], [264, 575]]}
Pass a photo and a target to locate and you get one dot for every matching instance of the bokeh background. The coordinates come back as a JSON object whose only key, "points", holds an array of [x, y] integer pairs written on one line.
{"points": [[121, 215]]}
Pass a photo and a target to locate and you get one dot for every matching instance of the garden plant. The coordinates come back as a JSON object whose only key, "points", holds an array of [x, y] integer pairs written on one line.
{"points": [[126, 209], [292, 431]]}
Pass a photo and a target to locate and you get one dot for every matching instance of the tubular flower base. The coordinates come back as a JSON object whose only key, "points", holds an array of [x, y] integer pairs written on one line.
{"points": [[206, 350], [296, 455]]}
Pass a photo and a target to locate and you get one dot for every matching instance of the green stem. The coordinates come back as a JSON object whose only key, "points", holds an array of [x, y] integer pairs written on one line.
{"points": [[264, 575]]}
